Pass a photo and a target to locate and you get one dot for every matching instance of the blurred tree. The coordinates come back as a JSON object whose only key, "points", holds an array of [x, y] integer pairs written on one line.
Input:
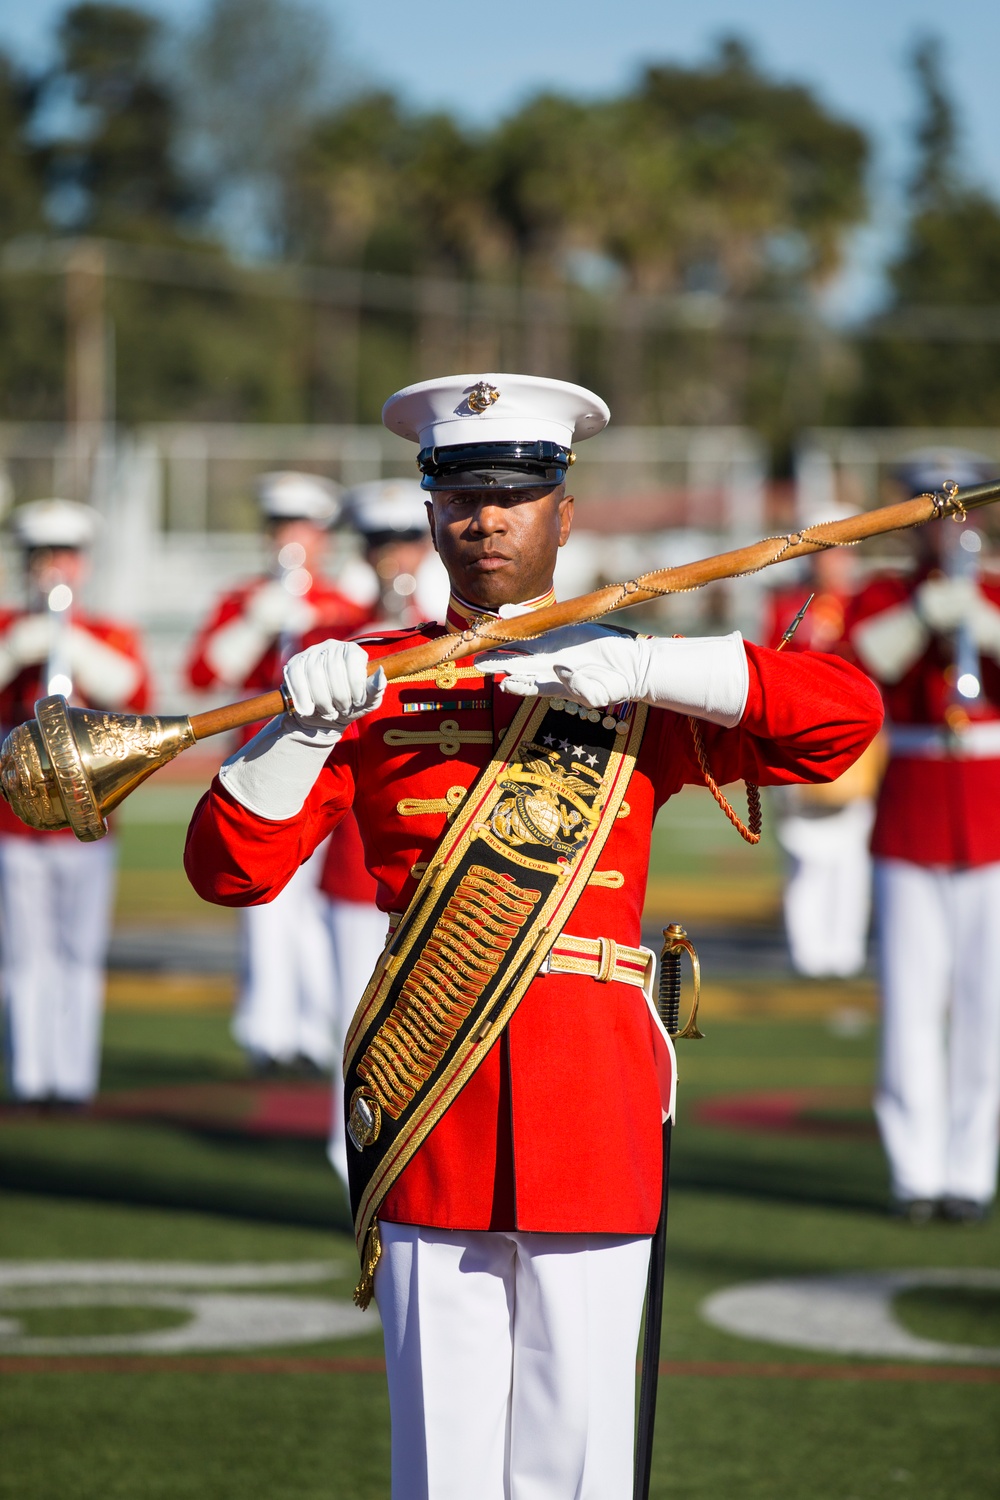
{"points": [[21, 208], [950, 258], [707, 179], [115, 171], [712, 180], [936, 173], [112, 165], [257, 73], [769, 180], [535, 243], [382, 190], [31, 357]]}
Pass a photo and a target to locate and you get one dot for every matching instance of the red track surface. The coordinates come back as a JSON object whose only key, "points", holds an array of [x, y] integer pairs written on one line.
{"points": [[301, 1110], [817, 1111]]}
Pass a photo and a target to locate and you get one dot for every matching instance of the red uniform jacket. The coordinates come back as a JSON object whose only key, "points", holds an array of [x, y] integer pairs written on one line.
{"points": [[18, 698], [345, 875], [934, 809], [334, 615], [559, 1129]]}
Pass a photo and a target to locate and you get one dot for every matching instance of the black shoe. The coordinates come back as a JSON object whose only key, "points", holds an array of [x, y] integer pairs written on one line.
{"points": [[307, 1067], [264, 1067], [916, 1211], [963, 1211]]}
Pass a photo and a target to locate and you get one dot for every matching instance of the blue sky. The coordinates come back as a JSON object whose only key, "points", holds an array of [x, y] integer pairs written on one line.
{"points": [[480, 57]]}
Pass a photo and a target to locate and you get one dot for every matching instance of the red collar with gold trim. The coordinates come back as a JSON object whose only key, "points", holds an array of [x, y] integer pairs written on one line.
{"points": [[461, 614]]}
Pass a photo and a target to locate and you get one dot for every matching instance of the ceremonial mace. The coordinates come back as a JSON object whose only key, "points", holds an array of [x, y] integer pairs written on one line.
{"points": [[70, 767]]}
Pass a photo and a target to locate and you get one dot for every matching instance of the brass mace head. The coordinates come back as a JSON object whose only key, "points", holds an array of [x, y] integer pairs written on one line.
{"points": [[68, 767]]}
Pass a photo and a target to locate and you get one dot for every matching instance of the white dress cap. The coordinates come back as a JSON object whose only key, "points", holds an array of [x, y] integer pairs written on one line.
{"points": [[54, 523], [495, 409], [388, 505], [930, 468], [286, 495]]}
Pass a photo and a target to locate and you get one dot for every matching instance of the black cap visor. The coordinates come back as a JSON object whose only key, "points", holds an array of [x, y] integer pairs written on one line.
{"points": [[494, 466]]}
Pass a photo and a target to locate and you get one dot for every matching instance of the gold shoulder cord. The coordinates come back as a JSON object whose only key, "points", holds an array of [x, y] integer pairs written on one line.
{"points": [[751, 830]]}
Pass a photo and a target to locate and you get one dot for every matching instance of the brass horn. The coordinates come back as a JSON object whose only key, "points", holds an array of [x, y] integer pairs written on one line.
{"points": [[69, 767]]}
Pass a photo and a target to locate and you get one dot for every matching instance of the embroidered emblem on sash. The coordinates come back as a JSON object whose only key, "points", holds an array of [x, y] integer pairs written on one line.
{"points": [[545, 805]]}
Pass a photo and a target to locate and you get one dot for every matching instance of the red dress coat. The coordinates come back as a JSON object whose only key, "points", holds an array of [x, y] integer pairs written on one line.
{"points": [[18, 698], [345, 875], [559, 1129], [939, 808]]}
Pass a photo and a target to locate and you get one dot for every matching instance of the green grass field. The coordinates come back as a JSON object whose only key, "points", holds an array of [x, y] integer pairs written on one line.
{"points": [[738, 1417]]}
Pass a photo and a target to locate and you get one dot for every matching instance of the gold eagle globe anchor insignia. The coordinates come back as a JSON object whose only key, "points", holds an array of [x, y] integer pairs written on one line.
{"points": [[482, 396], [547, 804]]}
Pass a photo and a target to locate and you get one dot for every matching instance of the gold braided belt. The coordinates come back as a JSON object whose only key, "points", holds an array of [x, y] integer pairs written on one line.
{"points": [[598, 958]]}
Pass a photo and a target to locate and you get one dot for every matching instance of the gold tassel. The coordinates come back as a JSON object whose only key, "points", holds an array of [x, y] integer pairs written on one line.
{"points": [[365, 1289]]}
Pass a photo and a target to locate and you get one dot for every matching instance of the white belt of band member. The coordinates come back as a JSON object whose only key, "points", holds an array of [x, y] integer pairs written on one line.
{"points": [[936, 742], [598, 958]]}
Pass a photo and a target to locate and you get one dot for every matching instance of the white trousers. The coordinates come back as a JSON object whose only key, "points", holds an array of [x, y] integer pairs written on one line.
{"points": [[511, 1362], [285, 1007], [828, 889], [938, 1101], [357, 934], [55, 915]]}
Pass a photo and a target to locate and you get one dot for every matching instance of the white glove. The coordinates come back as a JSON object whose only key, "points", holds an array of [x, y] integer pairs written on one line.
{"points": [[29, 639], [705, 676], [984, 625], [329, 688], [102, 674], [945, 603], [235, 648], [890, 642], [275, 611]]}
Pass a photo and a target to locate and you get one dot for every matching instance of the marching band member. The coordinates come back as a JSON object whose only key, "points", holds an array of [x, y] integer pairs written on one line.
{"points": [[284, 1014], [937, 860], [56, 894], [505, 1079], [390, 515]]}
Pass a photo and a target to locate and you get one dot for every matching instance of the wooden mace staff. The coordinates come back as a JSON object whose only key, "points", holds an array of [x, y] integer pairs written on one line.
{"points": [[489, 632], [69, 767]]}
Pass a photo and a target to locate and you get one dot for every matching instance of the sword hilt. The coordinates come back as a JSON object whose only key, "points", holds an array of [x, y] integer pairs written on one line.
{"points": [[669, 998], [676, 942]]}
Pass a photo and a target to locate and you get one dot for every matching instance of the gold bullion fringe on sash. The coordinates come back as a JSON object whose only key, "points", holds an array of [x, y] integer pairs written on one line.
{"points": [[463, 952], [365, 1289]]}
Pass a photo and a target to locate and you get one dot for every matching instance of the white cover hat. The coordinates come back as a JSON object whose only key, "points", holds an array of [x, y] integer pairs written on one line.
{"points": [[495, 409], [286, 495], [54, 523], [930, 468], [387, 506]]}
